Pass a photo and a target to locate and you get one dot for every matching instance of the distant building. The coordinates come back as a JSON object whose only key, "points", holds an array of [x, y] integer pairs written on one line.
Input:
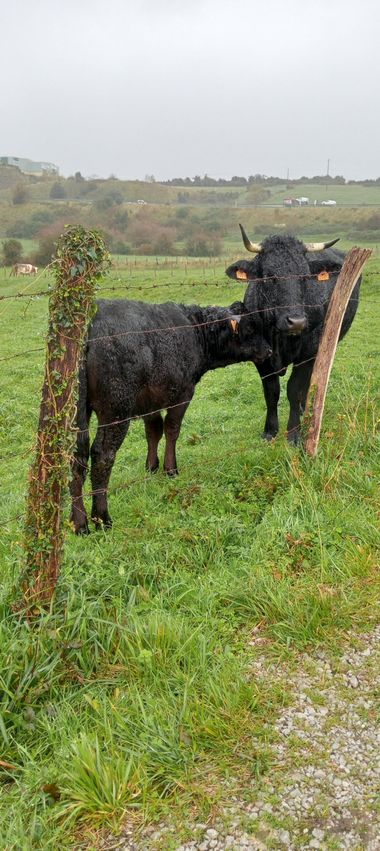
{"points": [[30, 166]]}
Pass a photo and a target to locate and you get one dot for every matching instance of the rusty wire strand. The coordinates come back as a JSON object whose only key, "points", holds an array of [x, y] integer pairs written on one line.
{"points": [[142, 288]]}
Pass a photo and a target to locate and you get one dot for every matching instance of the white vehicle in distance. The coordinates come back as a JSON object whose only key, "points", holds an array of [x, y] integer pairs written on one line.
{"points": [[329, 203]]}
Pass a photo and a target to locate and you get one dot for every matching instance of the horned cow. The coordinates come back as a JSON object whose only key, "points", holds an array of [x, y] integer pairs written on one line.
{"points": [[289, 288]]}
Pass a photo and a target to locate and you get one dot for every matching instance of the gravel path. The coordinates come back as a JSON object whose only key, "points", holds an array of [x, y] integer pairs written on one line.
{"points": [[323, 788]]}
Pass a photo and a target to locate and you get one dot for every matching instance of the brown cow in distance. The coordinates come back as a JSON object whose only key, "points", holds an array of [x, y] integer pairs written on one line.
{"points": [[24, 269]]}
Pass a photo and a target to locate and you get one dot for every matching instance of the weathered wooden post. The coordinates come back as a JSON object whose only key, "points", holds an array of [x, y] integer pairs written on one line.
{"points": [[80, 260], [348, 276]]}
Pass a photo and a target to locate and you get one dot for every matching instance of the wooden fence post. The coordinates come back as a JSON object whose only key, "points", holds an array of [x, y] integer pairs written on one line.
{"points": [[315, 403], [80, 260]]}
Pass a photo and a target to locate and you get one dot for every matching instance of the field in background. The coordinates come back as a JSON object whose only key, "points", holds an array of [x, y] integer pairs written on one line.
{"points": [[345, 195], [149, 218], [135, 695]]}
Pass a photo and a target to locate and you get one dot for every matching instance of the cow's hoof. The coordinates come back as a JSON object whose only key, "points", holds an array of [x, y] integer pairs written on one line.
{"points": [[154, 468], [268, 435], [82, 530], [80, 527], [102, 522], [172, 472], [294, 438]]}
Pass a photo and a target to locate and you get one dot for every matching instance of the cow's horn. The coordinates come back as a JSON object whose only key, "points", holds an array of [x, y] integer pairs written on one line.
{"points": [[320, 246], [255, 247]]}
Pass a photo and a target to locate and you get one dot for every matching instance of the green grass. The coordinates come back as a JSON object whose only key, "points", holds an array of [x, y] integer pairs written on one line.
{"points": [[132, 696], [343, 195]]}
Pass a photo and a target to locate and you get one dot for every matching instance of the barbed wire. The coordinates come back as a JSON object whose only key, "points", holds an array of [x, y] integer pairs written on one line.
{"points": [[145, 477], [201, 397], [148, 331], [163, 284], [183, 327]]}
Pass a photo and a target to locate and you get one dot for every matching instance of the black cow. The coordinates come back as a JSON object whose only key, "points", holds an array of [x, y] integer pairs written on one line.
{"points": [[291, 285], [142, 358]]}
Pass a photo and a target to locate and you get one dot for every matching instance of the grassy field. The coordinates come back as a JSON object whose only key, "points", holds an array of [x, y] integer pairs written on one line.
{"points": [[134, 696], [344, 195]]}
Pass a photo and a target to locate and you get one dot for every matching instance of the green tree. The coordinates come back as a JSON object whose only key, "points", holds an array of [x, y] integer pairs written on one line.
{"points": [[47, 240], [198, 246], [12, 251], [20, 194], [57, 190]]}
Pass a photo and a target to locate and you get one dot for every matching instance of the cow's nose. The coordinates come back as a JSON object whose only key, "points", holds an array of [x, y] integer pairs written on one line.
{"points": [[296, 324]]}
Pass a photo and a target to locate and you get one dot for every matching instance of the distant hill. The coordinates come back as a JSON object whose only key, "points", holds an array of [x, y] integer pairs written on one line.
{"points": [[148, 217]]}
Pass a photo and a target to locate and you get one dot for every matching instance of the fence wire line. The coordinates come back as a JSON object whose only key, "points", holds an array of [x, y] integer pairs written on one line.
{"points": [[201, 398], [23, 293], [142, 288], [140, 479], [189, 327], [147, 476]]}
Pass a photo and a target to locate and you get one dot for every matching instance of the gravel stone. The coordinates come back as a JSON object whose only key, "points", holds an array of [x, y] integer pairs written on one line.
{"points": [[325, 765]]}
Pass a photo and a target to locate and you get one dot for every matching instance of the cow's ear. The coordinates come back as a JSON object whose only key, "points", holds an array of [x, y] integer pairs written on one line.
{"points": [[325, 263], [234, 324], [242, 270], [237, 273]]}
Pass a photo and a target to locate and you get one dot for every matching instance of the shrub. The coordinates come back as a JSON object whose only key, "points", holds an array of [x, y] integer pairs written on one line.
{"points": [[12, 252], [120, 247], [200, 246], [20, 194], [163, 246], [111, 199], [47, 239], [57, 190]]}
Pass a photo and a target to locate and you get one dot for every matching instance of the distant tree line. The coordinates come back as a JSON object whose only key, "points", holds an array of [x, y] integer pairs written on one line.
{"points": [[263, 179]]}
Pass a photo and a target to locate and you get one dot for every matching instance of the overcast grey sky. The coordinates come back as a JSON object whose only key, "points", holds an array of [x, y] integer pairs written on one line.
{"points": [[185, 87]]}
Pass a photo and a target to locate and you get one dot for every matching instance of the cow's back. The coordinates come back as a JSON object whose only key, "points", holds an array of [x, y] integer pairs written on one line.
{"points": [[138, 356]]}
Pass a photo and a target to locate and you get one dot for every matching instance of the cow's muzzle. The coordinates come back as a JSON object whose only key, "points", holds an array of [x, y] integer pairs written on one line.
{"points": [[295, 325]]}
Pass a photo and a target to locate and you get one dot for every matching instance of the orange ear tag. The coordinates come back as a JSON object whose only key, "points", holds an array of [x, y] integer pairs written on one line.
{"points": [[234, 325], [241, 276], [323, 276]]}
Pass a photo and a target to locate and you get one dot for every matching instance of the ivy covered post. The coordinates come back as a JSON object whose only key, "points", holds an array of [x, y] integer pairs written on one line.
{"points": [[81, 258]]}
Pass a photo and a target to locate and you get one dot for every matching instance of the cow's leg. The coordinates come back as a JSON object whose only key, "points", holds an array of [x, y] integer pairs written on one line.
{"points": [[297, 389], [154, 427], [103, 451], [79, 470], [172, 428], [271, 387]]}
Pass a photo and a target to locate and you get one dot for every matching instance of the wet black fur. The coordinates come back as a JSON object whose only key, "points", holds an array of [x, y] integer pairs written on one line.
{"points": [[133, 369], [287, 290]]}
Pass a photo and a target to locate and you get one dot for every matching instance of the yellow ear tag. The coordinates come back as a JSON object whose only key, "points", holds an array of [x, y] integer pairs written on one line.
{"points": [[241, 276], [234, 325], [323, 276]]}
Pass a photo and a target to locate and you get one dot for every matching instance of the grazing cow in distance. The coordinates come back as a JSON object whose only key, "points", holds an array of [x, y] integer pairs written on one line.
{"points": [[141, 358], [289, 286], [24, 269]]}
